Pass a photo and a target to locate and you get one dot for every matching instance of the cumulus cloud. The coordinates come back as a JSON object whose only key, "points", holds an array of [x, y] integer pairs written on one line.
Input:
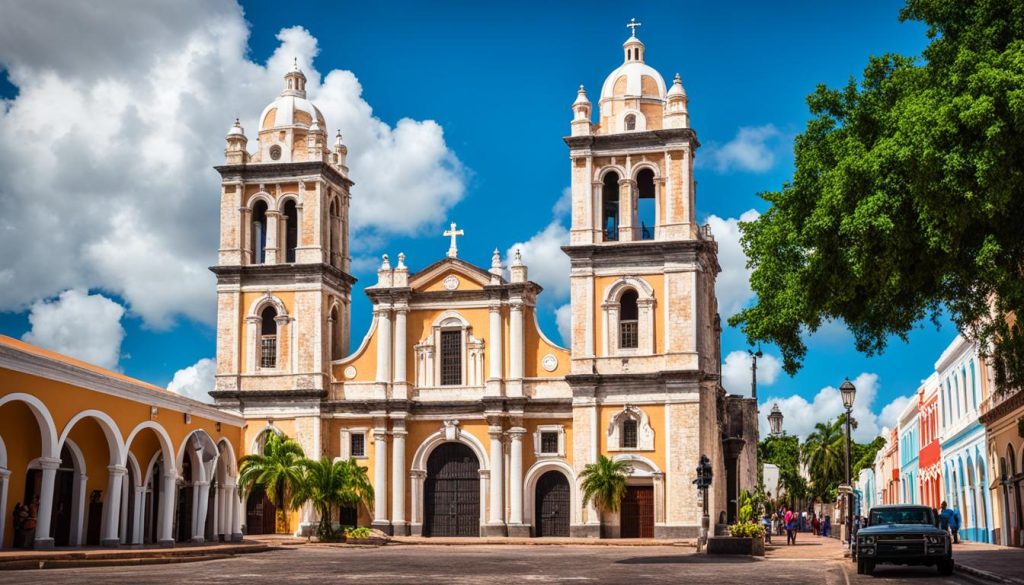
{"points": [[81, 325], [753, 150], [563, 317], [800, 415], [733, 284], [548, 264], [736, 371], [564, 204], [195, 381], [107, 149]]}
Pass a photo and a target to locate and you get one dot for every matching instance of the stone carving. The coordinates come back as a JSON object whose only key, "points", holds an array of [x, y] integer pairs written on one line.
{"points": [[350, 372], [451, 282], [450, 428], [550, 362]]}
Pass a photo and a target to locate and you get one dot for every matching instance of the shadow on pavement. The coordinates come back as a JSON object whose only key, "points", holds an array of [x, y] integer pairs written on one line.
{"points": [[884, 572], [693, 559]]}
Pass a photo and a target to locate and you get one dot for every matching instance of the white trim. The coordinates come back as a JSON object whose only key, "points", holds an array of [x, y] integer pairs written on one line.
{"points": [[535, 472], [254, 447], [632, 458], [644, 431], [537, 443], [115, 443], [419, 459], [166, 445], [3, 465], [47, 428]]}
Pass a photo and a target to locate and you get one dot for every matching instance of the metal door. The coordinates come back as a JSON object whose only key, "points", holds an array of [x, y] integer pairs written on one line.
{"points": [[451, 492], [637, 512], [551, 508]]}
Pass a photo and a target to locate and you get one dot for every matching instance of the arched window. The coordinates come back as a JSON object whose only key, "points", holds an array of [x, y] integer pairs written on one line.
{"points": [[291, 230], [646, 203], [630, 122], [451, 358], [337, 352], [974, 387], [259, 232], [629, 320], [610, 207], [629, 434], [268, 338], [334, 251]]}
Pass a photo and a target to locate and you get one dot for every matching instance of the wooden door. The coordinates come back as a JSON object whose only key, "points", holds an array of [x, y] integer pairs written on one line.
{"points": [[260, 513], [451, 494], [637, 512], [551, 505]]}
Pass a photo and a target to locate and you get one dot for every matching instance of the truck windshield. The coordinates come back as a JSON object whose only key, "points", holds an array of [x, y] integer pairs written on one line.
{"points": [[901, 516]]}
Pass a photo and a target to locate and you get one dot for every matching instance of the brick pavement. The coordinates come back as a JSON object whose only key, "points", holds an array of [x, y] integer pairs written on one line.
{"points": [[992, 562]]}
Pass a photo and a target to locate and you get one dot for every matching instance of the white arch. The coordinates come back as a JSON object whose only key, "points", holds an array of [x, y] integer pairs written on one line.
{"points": [[641, 121], [115, 442], [443, 320], [133, 465], [166, 445], [613, 291], [229, 458], [254, 448], [264, 197], [3, 458], [257, 306], [535, 472], [645, 165], [47, 428], [633, 460], [602, 172], [205, 465], [419, 460]]}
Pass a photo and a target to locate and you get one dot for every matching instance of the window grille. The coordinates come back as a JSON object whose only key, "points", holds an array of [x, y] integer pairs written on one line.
{"points": [[629, 434], [357, 445], [628, 336], [549, 443], [451, 358], [268, 351]]}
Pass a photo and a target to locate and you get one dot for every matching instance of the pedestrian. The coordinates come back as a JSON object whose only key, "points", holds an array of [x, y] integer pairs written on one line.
{"points": [[826, 527], [20, 514], [791, 521], [946, 520], [766, 522], [954, 525], [816, 526]]}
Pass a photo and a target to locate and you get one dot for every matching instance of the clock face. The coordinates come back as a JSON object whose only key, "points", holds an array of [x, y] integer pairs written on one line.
{"points": [[550, 362], [451, 283], [350, 372]]}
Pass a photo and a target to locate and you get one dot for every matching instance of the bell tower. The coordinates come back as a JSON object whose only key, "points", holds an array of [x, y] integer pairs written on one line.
{"points": [[283, 283]]}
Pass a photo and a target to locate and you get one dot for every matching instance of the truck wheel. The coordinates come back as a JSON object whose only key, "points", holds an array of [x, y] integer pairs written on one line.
{"points": [[860, 566], [946, 567], [869, 567]]}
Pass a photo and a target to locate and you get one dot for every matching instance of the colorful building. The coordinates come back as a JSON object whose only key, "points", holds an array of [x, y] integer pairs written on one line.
{"points": [[102, 459], [888, 476], [1002, 413], [929, 461], [963, 388], [909, 449]]}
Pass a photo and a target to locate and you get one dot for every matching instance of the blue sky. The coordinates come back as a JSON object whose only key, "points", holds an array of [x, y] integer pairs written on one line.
{"points": [[499, 79]]}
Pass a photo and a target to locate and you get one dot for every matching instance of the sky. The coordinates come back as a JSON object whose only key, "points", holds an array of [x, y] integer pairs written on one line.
{"points": [[114, 114]]}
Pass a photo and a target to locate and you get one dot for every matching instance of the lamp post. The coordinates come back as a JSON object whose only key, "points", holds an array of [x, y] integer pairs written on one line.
{"points": [[775, 420], [753, 371], [848, 392]]}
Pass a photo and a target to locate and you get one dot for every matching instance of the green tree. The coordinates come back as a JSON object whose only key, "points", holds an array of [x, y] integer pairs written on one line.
{"points": [[278, 469], [864, 454], [604, 483], [824, 454], [328, 484], [905, 198]]}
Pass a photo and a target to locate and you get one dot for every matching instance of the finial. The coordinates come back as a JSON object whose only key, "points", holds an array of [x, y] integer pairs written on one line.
{"points": [[385, 263], [401, 260], [581, 89], [518, 259], [496, 259], [677, 79], [238, 123], [453, 249], [295, 63], [632, 26]]}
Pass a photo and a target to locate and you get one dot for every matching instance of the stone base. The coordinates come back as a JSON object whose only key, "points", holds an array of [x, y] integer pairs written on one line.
{"points": [[236, 537], [198, 540], [416, 530], [110, 542], [585, 531], [399, 529], [519, 530], [166, 543], [493, 530], [676, 532], [383, 526], [42, 544]]}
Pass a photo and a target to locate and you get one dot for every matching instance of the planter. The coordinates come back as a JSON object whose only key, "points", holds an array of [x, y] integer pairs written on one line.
{"points": [[736, 545]]}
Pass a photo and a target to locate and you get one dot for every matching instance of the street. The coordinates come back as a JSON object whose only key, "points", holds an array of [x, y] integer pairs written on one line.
{"points": [[488, 564]]}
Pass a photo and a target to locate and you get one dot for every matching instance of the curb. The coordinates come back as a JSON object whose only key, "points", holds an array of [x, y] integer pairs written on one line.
{"points": [[985, 575], [541, 542], [80, 560]]}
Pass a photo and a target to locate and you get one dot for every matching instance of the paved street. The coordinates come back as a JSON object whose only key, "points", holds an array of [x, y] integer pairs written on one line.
{"points": [[464, 564]]}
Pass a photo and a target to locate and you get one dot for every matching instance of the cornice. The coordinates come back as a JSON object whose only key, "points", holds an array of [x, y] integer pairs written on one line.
{"points": [[269, 172], [281, 274], [646, 139]]}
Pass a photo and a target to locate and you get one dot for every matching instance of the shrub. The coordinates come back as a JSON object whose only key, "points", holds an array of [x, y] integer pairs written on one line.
{"points": [[358, 532], [747, 530]]}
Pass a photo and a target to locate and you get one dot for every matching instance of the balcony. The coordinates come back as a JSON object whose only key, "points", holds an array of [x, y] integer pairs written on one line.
{"points": [[994, 400]]}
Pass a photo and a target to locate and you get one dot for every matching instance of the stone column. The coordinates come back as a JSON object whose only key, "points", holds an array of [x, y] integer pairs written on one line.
{"points": [[168, 495], [43, 539], [138, 515], [112, 505], [203, 503], [495, 358], [416, 481], [515, 350], [626, 210], [398, 523], [223, 513], [383, 346], [515, 479], [380, 480], [400, 369], [273, 219], [5, 476], [496, 522], [235, 513]]}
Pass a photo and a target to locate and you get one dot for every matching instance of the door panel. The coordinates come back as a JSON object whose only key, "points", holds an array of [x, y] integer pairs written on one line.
{"points": [[551, 509], [637, 512], [451, 498]]}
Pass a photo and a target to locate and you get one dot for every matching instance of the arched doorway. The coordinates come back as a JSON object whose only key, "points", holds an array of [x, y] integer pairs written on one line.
{"points": [[151, 533], [183, 520], [260, 512], [451, 494], [551, 505]]}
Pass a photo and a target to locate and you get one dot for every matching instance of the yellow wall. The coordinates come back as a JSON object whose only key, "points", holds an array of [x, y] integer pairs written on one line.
{"points": [[656, 414]]}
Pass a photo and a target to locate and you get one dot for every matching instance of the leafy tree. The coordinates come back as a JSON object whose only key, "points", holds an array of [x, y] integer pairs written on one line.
{"points": [[864, 454], [278, 469], [604, 483], [824, 454], [328, 484], [906, 196]]}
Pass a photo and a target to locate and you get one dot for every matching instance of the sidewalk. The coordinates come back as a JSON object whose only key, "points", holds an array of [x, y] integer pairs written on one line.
{"points": [[999, 564], [807, 547], [63, 558]]}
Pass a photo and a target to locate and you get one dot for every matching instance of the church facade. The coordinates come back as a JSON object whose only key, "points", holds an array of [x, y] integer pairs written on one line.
{"points": [[469, 420]]}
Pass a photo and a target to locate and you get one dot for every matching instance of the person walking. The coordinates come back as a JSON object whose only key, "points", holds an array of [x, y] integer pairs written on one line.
{"points": [[790, 519], [826, 527], [946, 516], [766, 522], [954, 525], [816, 525]]}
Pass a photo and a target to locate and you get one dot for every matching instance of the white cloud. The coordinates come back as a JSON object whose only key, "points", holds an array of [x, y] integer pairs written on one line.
{"points": [[107, 150], [736, 371], [800, 415], [78, 324], [563, 317], [564, 204], [753, 149], [195, 381], [548, 265], [733, 284]]}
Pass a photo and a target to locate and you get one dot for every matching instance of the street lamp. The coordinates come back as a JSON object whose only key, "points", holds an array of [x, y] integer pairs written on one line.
{"points": [[775, 420], [848, 392], [753, 371]]}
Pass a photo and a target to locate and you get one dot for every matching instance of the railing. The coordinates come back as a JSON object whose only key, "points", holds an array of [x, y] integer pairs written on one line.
{"points": [[993, 400]]}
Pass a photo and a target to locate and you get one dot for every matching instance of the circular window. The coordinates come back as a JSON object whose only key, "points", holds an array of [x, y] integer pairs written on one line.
{"points": [[275, 152]]}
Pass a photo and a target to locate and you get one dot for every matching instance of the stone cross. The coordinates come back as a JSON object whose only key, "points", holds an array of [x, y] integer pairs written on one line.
{"points": [[633, 25], [453, 250]]}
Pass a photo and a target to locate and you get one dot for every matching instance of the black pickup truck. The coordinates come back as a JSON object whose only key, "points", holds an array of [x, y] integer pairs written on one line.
{"points": [[903, 535]]}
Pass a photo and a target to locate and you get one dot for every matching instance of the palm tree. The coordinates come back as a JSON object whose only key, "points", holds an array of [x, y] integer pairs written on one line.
{"points": [[824, 454], [278, 470], [604, 483], [326, 484]]}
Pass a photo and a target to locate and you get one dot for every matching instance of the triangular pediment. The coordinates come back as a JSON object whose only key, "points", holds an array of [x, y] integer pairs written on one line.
{"points": [[433, 277]]}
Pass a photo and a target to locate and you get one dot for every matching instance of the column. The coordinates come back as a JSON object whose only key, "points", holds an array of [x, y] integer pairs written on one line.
{"points": [[203, 503], [398, 433], [380, 480], [43, 540], [515, 479], [383, 345], [138, 515], [496, 521], [168, 496], [495, 338], [112, 505], [273, 219], [223, 513], [515, 349], [5, 476], [626, 211], [237, 507], [401, 374], [416, 477]]}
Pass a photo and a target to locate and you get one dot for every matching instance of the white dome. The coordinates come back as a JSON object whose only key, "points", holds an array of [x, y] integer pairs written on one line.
{"points": [[286, 106], [634, 71]]}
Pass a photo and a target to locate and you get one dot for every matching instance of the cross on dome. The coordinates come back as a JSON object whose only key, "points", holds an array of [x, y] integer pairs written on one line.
{"points": [[632, 26], [453, 250]]}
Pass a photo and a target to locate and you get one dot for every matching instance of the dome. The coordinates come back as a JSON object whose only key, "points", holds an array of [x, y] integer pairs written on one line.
{"points": [[634, 79], [290, 110]]}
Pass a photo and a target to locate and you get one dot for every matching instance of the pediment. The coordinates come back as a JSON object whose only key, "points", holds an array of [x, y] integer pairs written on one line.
{"points": [[433, 277]]}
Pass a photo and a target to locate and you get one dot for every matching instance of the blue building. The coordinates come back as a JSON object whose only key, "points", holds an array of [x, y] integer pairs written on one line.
{"points": [[910, 448]]}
